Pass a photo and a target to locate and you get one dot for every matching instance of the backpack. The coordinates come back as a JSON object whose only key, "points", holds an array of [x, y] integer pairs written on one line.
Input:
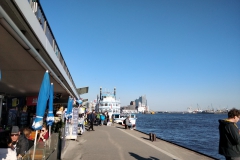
{"points": [[124, 121]]}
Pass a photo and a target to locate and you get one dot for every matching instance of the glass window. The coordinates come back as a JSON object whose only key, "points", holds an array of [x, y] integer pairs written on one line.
{"points": [[49, 36], [106, 104], [56, 50]]}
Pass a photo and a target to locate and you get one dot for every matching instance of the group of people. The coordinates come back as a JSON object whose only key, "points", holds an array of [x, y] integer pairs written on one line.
{"points": [[92, 118], [20, 140], [98, 119]]}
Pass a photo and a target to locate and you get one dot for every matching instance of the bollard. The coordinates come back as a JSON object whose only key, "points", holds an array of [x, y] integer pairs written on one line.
{"points": [[150, 136], [154, 137]]}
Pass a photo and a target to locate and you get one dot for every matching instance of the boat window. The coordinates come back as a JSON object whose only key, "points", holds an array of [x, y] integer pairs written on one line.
{"points": [[132, 116], [114, 104], [116, 116], [106, 104]]}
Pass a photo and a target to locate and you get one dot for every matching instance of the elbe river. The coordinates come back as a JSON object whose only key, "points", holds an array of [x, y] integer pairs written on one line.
{"points": [[198, 132]]}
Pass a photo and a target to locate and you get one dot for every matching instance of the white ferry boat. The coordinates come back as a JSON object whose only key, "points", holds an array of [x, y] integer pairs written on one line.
{"points": [[107, 102]]}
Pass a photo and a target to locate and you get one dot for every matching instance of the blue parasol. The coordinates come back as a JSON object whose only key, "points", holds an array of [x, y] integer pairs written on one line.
{"points": [[69, 108], [50, 116], [43, 97]]}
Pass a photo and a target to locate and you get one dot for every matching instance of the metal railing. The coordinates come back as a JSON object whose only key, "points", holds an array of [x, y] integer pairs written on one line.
{"points": [[44, 150], [38, 11]]}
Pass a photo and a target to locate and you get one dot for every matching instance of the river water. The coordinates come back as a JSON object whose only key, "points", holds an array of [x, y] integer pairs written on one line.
{"points": [[198, 132]]}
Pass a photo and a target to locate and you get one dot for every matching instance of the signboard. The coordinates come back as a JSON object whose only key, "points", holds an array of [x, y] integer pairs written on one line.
{"points": [[15, 102], [67, 132], [71, 129], [32, 101], [75, 122]]}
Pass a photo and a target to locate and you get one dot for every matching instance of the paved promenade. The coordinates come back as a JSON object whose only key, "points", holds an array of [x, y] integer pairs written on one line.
{"points": [[116, 143]]}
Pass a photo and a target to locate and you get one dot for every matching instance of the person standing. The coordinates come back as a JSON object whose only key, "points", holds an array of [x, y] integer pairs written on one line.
{"points": [[98, 118], [92, 117], [128, 123], [107, 118], [81, 123], [229, 142], [112, 119], [102, 118]]}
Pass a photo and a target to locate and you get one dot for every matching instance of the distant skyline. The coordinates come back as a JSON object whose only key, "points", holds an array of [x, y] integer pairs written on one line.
{"points": [[177, 53]]}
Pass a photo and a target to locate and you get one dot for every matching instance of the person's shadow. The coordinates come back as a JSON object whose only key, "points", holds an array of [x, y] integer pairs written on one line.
{"points": [[142, 158]]}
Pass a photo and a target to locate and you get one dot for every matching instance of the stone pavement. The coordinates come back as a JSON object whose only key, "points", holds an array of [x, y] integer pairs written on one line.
{"points": [[116, 143]]}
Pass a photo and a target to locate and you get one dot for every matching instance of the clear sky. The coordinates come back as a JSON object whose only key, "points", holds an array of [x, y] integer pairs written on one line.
{"points": [[179, 53]]}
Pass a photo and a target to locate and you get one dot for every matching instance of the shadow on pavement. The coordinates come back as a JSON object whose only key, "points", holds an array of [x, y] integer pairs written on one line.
{"points": [[121, 127], [142, 158], [145, 138]]}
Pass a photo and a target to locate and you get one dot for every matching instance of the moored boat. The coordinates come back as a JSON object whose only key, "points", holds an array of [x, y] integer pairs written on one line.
{"points": [[119, 118], [107, 102]]}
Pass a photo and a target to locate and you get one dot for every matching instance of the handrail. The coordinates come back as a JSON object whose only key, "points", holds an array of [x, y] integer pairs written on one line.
{"points": [[39, 13]]}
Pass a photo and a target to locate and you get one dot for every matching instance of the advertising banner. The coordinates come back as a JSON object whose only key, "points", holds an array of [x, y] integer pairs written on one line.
{"points": [[32, 101]]}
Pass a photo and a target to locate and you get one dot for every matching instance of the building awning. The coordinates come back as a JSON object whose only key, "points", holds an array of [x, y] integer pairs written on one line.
{"points": [[82, 90], [84, 100]]}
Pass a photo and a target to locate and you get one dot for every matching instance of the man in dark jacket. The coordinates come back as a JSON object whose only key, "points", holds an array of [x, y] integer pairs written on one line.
{"points": [[92, 117], [18, 142], [229, 143]]}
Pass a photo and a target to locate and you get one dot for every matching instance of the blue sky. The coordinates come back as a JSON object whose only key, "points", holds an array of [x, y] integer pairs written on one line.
{"points": [[177, 53]]}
